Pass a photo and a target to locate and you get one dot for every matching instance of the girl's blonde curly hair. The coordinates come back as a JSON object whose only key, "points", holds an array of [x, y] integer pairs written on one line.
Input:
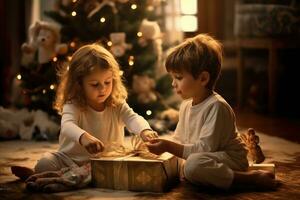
{"points": [[83, 61]]}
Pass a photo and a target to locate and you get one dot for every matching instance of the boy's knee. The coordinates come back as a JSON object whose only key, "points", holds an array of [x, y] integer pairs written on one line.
{"points": [[46, 163], [195, 166]]}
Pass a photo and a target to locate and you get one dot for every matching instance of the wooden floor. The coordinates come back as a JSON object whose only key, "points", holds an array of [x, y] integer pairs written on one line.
{"points": [[282, 127]]}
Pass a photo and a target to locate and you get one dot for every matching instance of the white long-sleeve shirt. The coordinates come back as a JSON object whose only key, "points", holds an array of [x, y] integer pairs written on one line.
{"points": [[208, 127], [107, 126]]}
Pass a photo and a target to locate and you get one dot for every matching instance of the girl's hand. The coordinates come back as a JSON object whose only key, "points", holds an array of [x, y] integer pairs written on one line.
{"points": [[157, 146], [91, 144], [147, 135]]}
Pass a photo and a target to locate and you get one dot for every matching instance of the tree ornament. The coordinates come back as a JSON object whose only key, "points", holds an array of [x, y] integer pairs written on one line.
{"points": [[119, 46], [44, 40]]}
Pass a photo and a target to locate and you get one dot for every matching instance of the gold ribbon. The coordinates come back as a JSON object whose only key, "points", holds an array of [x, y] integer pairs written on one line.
{"points": [[139, 148]]}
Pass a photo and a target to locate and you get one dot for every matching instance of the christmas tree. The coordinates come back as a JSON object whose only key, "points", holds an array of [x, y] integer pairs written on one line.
{"points": [[130, 29]]}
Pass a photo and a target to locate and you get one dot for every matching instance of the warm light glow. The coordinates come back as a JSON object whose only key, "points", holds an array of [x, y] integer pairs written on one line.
{"points": [[72, 44], [189, 23], [73, 13], [68, 68], [74, 1], [131, 60], [54, 59], [109, 43], [52, 87], [148, 112], [139, 34], [133, 6], [69, 58], [19, 77], [44, 91], [121, 73], [188, 7], [102, 19]]}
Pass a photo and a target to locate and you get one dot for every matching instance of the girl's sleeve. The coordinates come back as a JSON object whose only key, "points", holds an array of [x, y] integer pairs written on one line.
{"points": [[217, 128], [133, 122], [69, 122]]}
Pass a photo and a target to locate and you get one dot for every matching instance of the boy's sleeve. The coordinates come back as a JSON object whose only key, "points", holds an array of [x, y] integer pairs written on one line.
{"points": [[69, 123], [133, 122], [216, 131]]}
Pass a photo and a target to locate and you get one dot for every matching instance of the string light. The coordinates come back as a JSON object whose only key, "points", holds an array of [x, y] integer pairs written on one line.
{"points": [[102, 19], [44, 91], [149, 112], [131, 60], [109, 43], [73, 13], [54, 59], [19, 77], [139, 34], [69, 58], [68, 68], [72, 44], [121, 73], [52, 87], [133, 6]]}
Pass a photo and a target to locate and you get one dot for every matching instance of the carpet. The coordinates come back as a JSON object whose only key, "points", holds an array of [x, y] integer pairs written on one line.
{"points": [[285, 154]]}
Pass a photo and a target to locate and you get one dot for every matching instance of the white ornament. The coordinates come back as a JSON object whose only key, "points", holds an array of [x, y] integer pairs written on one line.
{"points": [[119, 45]]}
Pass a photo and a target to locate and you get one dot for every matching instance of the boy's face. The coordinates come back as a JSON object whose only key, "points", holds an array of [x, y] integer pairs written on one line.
{"points": [[97, 87], [186, 85]]}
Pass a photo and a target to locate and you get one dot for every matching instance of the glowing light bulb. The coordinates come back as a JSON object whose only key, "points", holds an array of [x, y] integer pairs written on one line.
{"points": [[139, 34], [52, 87], [54, 59], [133, 6], [19, 77], [109, 43], [44, 91], [148, 112], [72, 44], [73, 13], [102, 19]]}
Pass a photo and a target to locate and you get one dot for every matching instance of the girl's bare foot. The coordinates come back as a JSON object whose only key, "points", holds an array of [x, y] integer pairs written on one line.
{"points": [[22, 172]]}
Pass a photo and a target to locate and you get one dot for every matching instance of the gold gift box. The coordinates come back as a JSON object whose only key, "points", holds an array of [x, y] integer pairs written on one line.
{"points": [[263, 166], [135, 173]]}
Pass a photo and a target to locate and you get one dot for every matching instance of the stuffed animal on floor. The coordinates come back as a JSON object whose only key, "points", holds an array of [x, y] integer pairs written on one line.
{"points": [[44, 41], [251, 141], [27, 125]]}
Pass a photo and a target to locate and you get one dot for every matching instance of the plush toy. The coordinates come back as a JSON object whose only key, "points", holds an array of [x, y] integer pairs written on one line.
{"points": [[251, 141], [151, 33], [143, 86], [27, 125], [119, 45], [44, 39]]}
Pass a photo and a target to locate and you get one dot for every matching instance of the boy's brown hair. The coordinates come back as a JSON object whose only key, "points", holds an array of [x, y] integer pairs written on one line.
{"points": [[195, 55]]}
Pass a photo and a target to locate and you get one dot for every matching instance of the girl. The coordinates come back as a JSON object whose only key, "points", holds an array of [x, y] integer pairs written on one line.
{"points": [[91, 98]]}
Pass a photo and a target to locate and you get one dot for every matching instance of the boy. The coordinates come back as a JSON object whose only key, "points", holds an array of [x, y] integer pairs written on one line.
{"points": [[206, 134]]}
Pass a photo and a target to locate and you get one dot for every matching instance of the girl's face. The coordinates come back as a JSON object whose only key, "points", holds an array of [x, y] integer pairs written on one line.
{"points": [[187, 86], [97, 87]]}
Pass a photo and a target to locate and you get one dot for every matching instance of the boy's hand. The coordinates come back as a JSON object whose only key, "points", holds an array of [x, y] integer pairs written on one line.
{"points": [[91, 144], [158, 146], [147, 135]]}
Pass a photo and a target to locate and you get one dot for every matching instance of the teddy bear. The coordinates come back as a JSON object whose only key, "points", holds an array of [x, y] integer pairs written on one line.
{"points": [[143, 86], [251, 140], [44, 40], [151, 33], [119, 45]]}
